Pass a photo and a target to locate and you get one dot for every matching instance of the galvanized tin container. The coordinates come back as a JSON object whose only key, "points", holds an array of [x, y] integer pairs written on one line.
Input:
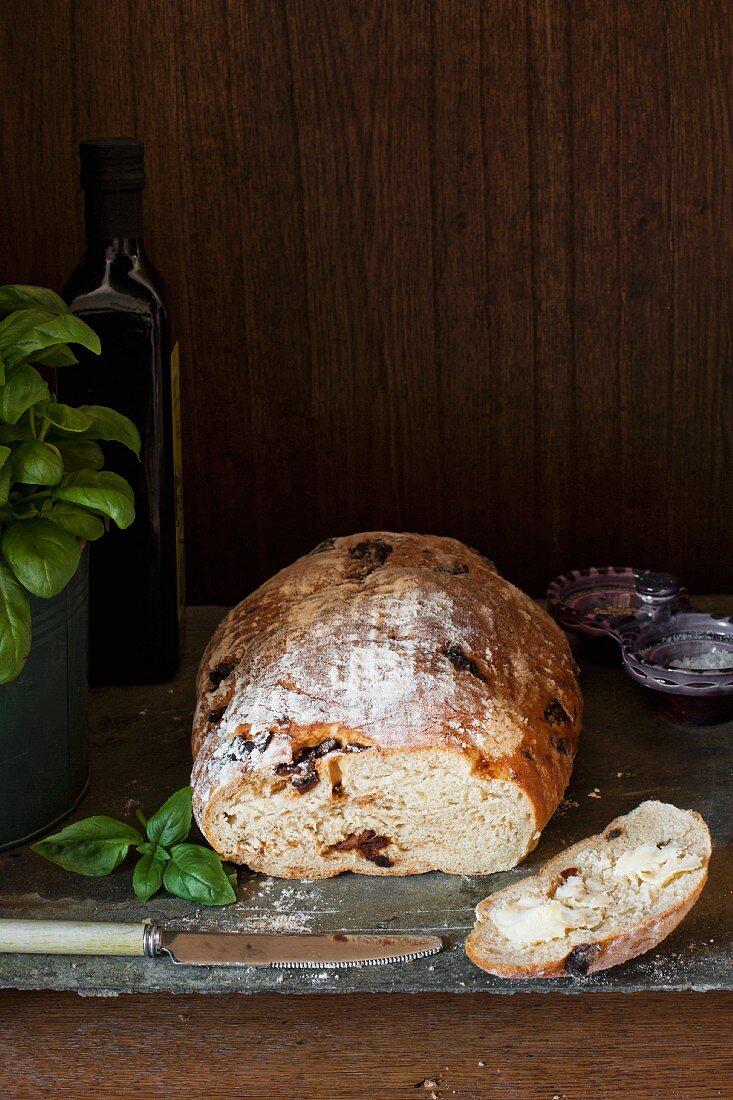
{"points": [[43, 718]]}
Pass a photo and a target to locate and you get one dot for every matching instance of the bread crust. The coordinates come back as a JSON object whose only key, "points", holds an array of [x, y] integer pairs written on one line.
{"points": [[606, 952], [397, 642]]}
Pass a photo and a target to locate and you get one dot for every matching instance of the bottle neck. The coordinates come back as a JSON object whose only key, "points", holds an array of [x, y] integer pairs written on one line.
{"points": [[114, 216], [110, 248]]}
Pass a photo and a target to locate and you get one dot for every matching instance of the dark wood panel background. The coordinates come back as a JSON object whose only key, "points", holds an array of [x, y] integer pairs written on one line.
{"points": [[460, 266]]}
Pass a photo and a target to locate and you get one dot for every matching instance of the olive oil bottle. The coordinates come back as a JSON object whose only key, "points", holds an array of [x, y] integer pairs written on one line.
{"points": [[136, 575]]}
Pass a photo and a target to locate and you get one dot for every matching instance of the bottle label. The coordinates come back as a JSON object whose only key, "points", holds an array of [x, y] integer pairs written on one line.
{"points": [[177, 478]]}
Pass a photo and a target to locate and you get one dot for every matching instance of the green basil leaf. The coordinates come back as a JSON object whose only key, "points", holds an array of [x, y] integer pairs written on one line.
{"points": [[114, 481], [43, 557], [6, 482], [172, 822], [196, 874], [64, 416], [23, 387], [101, 490], [15, 626], [147, 878], [36, 463], [4, 452], [76, 520], [32, 332], [111, 426], [69, 329], [18, 334], [62, 356], [12, 433], [147, 848], [2, 370], [14, 297], [80, 454], [26, 510], [231, 872], [94, 846]]}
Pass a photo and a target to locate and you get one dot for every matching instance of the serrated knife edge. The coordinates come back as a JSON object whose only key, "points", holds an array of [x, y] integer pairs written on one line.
{"points": [[285, 950]]}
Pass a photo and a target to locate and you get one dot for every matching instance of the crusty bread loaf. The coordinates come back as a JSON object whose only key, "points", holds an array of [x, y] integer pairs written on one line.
{"points": [[387, 704], [599, 903]]}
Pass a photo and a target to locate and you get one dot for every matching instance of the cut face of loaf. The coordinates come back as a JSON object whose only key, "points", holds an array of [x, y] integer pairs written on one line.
{"points": [[387, 704], [376, 813], [599, 903]]}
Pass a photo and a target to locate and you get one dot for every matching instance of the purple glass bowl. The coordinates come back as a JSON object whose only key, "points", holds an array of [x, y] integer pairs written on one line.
{"points": [[593, 604], [701, 696]]}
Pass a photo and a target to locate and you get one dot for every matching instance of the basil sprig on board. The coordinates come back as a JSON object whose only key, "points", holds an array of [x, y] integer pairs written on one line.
{"points": [[96, 845], [54, 493]]}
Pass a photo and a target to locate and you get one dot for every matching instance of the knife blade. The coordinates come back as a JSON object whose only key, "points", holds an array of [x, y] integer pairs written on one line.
{"points": [[337, 949], [301, 951]]}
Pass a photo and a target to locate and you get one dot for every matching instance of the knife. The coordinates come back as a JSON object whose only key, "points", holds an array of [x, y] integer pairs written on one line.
{"points": [[337, 949]]}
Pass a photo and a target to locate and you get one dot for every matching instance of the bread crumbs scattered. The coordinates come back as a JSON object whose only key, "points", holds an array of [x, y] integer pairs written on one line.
{"points": [[595, 793], [565, 805]]}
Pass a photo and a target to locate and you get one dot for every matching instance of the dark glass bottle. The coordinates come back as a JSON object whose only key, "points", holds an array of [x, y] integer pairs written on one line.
{"points": [[136, 576]]}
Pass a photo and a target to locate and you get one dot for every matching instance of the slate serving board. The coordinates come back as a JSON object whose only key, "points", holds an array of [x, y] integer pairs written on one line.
{"points": [[140, 754]]}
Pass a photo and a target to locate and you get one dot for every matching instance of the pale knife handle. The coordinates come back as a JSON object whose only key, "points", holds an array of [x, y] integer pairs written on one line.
{"points": [[71, 937]]}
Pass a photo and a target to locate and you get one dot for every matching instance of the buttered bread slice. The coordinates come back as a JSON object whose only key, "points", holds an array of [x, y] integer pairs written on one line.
{"points": [[602, 901]]}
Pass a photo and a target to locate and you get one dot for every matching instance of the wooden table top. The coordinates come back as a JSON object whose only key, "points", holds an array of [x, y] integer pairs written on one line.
{"points": [[271, 1047]]}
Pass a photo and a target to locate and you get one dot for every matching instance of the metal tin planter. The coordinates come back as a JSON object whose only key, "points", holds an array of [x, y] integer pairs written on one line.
{"points": [[43, 718]]}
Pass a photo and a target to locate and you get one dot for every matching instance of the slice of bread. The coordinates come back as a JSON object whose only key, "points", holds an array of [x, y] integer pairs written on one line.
{"points": [[602, 901]]}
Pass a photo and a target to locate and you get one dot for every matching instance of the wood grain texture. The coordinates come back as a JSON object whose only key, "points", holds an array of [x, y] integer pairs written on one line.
{"points": [[461, 266], [543, 1047]]}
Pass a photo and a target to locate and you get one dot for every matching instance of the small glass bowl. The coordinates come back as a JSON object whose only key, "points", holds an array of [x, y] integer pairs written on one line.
{"points": [[643, 620], [703, 696], [592, 604]]}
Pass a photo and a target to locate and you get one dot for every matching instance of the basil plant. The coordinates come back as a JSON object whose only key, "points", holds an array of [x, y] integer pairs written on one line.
{"points": [[55, 495]]}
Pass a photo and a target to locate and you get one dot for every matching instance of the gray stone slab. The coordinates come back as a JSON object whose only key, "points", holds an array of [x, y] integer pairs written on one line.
{"points": [[628, 752]]}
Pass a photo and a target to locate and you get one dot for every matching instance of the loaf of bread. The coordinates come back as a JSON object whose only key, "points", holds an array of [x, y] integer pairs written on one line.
{"points": [[599, 903], [387, 704]]}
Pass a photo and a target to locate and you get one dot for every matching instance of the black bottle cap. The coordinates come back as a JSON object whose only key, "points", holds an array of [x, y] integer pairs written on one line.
{"points": [[112, 164], [657, 584]]}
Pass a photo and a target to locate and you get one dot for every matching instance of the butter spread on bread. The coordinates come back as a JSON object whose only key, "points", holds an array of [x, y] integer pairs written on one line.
{"points": [[599, 903]]}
